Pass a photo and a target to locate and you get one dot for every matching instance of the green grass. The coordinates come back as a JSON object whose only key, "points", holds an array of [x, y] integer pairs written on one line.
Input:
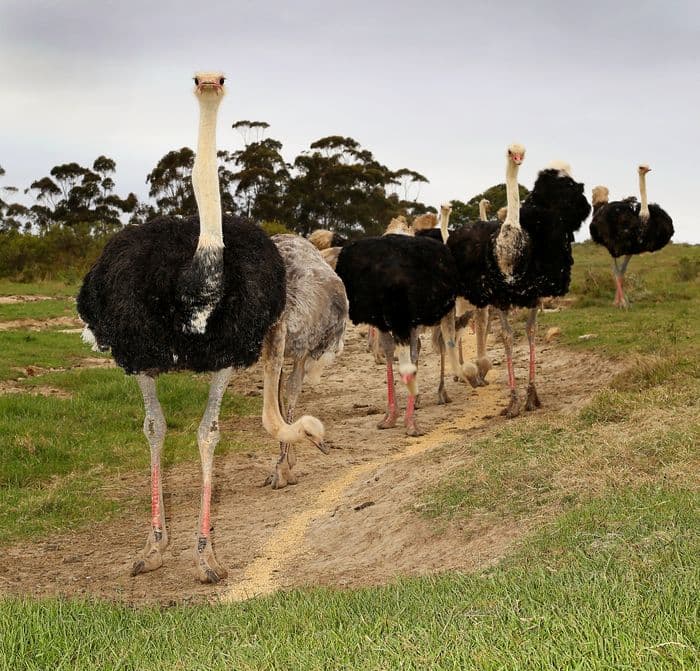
{"points": [[49, 442], [664, 317], [42, 349], [612, 585], [37, 310], [48, 288]]}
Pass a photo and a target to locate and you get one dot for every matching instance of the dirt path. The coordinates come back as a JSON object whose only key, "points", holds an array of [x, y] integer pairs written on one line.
{"points": [[351, 520]]}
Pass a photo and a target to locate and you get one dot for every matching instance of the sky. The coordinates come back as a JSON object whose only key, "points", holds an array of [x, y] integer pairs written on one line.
{"points": [[439, 87]]}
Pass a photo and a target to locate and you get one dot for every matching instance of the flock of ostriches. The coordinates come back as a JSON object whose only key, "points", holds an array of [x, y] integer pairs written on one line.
{"points": [[212, 293]]}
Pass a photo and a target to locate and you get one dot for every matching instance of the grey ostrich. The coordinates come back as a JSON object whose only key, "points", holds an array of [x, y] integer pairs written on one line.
{"points": [[312, 329]]}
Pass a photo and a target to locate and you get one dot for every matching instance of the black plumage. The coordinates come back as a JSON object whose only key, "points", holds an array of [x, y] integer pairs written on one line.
{"points": [[618, 227], [139, 297], [432, 233], [554, 210], [398, 282]]}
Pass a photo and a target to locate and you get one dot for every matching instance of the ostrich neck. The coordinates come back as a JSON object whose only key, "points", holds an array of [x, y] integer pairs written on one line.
{"points": [[444, 220], [512, 195], [644, 208], [205, 177], [482, 211]]}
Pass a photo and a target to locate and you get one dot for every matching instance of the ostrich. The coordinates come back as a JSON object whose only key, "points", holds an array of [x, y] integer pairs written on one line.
{"points": [[505, 265], [484, 207], [197, 294], [323, 239], [314, 324], [627, 227], [501, 213], [398, 283]]}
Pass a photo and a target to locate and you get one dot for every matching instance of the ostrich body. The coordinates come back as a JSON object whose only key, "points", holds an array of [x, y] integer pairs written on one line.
{"points": [[323, 239], [197, 294], [398, 283], [314, 321], [628, 227], [510, 264]]}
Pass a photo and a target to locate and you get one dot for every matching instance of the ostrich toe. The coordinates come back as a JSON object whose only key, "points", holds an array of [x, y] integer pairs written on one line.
{"points": [[513, 407], [208, 568], [151, 557], [532, 401]]}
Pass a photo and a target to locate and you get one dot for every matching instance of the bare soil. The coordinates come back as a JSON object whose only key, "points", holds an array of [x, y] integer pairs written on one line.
{"points": [[352, 520]]}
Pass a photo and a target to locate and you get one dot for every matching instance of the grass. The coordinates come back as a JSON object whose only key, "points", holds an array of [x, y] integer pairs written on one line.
{"points": [[58, 451], [39, 349], [600, 589], [47, 288], [47, 309]]}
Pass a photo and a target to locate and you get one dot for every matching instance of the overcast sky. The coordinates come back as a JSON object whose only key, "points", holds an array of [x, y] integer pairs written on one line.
{"points": [[439, 87]]}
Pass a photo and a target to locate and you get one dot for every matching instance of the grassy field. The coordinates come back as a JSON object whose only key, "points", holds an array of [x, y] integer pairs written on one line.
{"points": [[610, 581]]}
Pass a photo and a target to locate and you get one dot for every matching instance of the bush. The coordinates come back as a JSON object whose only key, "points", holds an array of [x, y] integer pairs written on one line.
{"points": [[59, 254]]}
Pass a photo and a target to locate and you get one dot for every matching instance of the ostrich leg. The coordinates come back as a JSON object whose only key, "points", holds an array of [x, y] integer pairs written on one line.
{"points": [[532, 401], [154, 427], [467, 372], [283, 475], [208, 568], [624, 303], [388, 345], [408, 360], [513, 407], [442, 392], [481, 327]]}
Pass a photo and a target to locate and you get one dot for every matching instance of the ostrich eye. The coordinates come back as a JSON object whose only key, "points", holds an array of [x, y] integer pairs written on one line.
{"points": [[196, 81], [221, 81]]}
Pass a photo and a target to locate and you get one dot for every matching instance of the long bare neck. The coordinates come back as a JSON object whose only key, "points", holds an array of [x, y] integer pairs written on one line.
{"points": [[482, 211], [205, 177], [644, 208], [444, 220], [512, 195]]}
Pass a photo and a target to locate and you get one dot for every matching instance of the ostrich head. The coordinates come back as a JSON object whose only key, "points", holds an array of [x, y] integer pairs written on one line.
{"points": [[516, 154], [643, 169], [600, 195], [562, 167], [398, 226], [485, 203], [446, 209], [312, 429], [209, 85]]}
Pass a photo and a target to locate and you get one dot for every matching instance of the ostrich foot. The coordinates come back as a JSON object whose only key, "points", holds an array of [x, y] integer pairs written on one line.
{"points": [[389, 421], [412, 428], [483, 366], [283, 475], [208, 568], [443, 397], [532, 401], [513, 407], [151, 557]]}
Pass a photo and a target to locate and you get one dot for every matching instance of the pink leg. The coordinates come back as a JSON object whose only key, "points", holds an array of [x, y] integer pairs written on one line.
{"points": [[389, 420], [412, 428], [208, 568], [513, 407], [151, 557], [532, 400]]}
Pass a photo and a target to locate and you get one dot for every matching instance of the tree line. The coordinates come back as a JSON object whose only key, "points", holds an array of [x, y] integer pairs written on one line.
{"points": [[335, 184]]}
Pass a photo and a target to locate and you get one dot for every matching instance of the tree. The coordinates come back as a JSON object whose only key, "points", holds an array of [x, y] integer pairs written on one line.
{"points": [[171, 183], [251, 131], [342, 187]]}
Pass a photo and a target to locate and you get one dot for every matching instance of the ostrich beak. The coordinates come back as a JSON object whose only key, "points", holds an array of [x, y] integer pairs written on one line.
{"points": [[321, 445]]}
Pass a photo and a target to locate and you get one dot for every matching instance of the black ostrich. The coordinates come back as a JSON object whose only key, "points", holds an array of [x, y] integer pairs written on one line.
{"points": [[627, 227], [196, 294], [398, 283], [510, 264]]}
